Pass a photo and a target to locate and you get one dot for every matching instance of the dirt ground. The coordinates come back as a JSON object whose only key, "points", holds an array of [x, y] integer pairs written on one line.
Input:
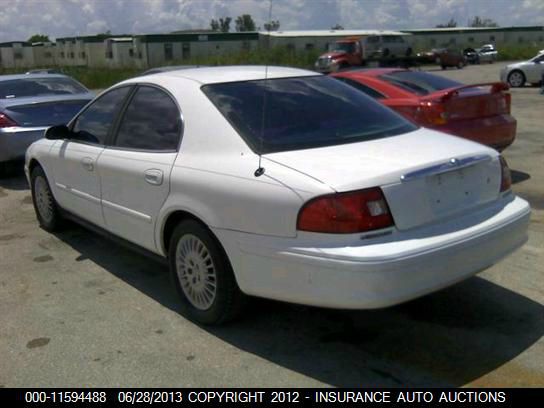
{"points": [[78, 310]]}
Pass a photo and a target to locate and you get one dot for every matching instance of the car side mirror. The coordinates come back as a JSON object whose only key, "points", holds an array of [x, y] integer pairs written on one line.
{"points": [[58, 132]]}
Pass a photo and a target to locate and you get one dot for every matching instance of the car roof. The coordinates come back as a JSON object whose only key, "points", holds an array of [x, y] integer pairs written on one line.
{"points": [[32, 76], [235, 73]]}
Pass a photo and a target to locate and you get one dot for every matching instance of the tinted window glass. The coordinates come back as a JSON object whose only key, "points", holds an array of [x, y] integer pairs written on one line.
{"points": [[420, 83], [357, 85], [95, 122], [20, 88], [152, 122], [303, 113]]}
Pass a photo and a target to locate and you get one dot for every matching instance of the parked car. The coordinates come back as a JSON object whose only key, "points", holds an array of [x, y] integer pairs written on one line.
{"points": [[488, 53], [471, 56], [479, 112], [430, 57], [444, 57], [29, 104], [296, 187], [518, 74], [450, 58]]}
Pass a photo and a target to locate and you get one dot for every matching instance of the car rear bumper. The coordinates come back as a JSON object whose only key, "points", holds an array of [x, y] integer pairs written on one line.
{"points": [[497, 132], [15, 140], [383, 271]]}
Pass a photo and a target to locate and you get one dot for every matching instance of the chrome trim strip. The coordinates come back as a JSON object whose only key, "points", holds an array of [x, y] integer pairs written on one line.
{"points": [[451, 165], [127, 211], [79, 194]]}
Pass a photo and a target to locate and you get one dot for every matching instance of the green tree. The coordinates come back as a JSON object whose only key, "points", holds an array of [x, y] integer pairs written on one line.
{"points": [[222, 25], [272, 25], [245, 23], [451, 23], [482, 22], [39, 38]]}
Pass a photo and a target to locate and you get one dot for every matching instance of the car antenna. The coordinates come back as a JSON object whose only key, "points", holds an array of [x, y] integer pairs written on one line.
{"points": [[260, 170]]}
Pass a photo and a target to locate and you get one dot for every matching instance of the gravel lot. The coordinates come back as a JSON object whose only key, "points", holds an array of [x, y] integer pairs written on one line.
{"points": [[78, 310]]}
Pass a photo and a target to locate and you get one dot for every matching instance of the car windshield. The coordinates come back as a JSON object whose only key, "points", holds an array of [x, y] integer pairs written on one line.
{"points": [[285, 114], [27, 87], [342, 47], [420, 83]]}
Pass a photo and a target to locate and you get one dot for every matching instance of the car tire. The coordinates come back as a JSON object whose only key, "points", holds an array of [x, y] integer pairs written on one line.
{"points": [[202, 275], [460, 65], [443, 67], [516, 79], [45, 206]]}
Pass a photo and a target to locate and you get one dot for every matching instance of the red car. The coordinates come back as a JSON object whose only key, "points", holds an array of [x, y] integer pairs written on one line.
{"points": [[479, 112]]}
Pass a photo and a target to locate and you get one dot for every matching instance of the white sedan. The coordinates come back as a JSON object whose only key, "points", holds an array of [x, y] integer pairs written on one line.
{"points": [[520, 73], [296, 187]]}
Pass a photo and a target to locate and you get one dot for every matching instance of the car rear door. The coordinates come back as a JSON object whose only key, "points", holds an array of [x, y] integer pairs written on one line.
{"points": [[74, 164], [135, 167]]}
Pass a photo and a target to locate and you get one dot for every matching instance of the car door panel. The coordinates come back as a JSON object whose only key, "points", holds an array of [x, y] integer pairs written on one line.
{"points": [[135, 170], [76, 174], [135, 185], [77, 184]]}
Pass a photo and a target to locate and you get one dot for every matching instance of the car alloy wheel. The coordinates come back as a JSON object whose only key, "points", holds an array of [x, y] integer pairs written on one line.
{"points": [[202, 275], [196, 272], [516, 79], [44, 199], [45, 206]]}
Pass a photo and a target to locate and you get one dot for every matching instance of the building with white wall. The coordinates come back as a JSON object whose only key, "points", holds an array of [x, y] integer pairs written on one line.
{"points": [[16, 54], [476, 36]]}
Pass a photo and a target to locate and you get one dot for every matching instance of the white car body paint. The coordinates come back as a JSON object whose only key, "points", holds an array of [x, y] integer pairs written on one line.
{"points": [[447, 227]]}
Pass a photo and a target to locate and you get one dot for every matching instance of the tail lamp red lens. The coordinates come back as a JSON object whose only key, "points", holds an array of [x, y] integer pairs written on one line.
{"points": [[6, 121], [506, 175], [346, 213], [433, 113]]}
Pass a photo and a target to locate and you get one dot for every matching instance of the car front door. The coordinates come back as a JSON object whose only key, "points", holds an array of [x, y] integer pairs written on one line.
{"points": [[135, 169], [534, 69], [74, 164]]}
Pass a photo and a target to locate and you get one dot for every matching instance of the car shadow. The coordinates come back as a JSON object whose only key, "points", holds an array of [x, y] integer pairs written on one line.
{"points": [[13, 177], [449, 338], [519, 176]]}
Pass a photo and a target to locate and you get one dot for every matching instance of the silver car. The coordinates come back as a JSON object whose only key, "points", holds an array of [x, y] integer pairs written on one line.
{"points": [[488, 53], [520, 73], [29, 104]]}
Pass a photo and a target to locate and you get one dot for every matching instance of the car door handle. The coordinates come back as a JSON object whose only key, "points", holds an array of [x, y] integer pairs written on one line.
{"points": [[87, 163], [153, 176]]}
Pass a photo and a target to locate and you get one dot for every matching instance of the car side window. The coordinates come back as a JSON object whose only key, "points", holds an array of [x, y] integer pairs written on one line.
{"points": [[152, 121], [94, 124], [357, 85]]}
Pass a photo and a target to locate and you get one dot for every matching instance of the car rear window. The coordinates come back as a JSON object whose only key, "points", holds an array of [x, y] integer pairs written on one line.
{"points": [[28, 87], [285, 114], [420, 83]]}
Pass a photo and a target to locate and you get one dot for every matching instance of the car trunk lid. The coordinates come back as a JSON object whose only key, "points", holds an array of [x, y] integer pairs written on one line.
{"points": [[471, 101], [44, 111], [426, 176]]}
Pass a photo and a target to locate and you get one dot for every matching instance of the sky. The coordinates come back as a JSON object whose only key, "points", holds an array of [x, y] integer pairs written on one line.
{"points": [[19, 19]]}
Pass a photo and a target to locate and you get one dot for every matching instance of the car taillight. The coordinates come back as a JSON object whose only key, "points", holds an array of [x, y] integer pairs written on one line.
{"points": [[433, 113], [6, 121], [506, 175], [346, 213]]}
